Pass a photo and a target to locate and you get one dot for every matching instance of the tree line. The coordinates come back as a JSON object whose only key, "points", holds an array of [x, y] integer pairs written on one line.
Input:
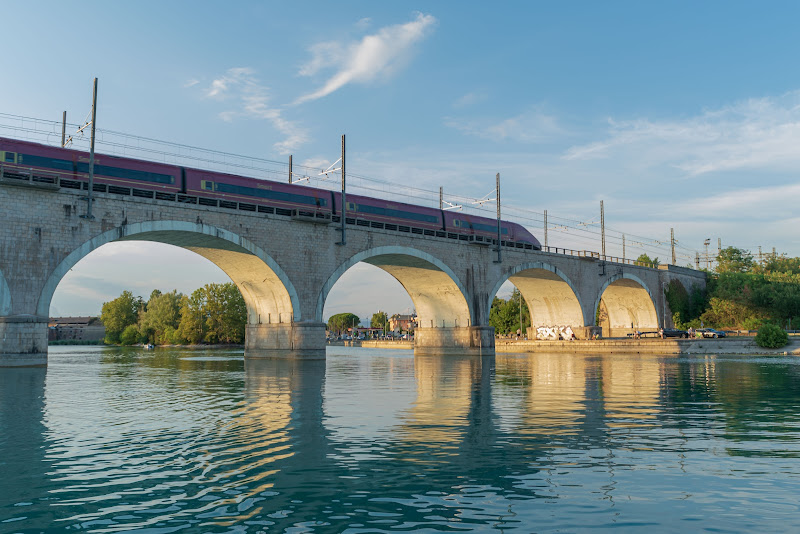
{"points": [[742, 293], [215, 313]]}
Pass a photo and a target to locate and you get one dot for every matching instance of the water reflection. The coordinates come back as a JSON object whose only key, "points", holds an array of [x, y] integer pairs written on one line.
{"points": [[108, 440]]}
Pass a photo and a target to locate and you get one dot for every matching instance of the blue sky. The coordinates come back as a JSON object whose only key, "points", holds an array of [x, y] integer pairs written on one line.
{"points": [[679, 115]]}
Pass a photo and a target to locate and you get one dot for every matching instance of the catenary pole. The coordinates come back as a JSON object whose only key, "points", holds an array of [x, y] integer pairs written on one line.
{"points": [[89, 197], [499, 245]]}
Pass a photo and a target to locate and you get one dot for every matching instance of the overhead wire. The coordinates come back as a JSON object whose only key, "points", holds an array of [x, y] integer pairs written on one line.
{"points": [[570, 230]]}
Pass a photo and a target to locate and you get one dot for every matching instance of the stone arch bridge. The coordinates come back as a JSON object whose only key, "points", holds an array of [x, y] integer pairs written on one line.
{"points": [[286, 266]]}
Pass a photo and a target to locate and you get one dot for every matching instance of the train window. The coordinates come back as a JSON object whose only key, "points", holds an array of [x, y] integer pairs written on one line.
{"points": [[351, 206], [400, 214], [9, 157], [207, 185], [456, 222]]}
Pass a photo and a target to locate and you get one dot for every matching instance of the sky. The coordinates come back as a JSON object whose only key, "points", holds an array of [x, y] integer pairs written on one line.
{"points": [[679, 115]]}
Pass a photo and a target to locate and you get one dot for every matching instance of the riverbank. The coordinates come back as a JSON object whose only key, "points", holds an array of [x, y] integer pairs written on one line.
{"points": [[736, 345]]}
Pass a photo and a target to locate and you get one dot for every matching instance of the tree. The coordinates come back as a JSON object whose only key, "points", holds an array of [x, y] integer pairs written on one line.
{"points": [[225, 312], [130, 336], [342, 321], [162, 314], [192, 325], [644, 258], [734, 260], [118, 314], [379, 320], [504, 315]]}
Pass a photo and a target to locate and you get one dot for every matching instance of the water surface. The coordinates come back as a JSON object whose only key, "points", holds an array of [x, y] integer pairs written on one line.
{"points": [[171, 440]]}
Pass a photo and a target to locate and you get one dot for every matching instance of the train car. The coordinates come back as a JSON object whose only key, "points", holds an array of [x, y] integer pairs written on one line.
{"points": [[483, 230], [277, 195], [390, 212], [72, 167]]}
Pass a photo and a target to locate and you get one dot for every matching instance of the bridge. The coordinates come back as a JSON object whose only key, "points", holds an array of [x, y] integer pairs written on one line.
{"points": [[285, 265]]}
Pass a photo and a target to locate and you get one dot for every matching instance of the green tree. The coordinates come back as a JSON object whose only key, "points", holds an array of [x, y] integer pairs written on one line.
{"points": [[192, 325], [644, 258], [734, 260], [129, 336], [379, 320], [162, 314], [504, 315], [118, 314], [226, 313], [342, 321]]}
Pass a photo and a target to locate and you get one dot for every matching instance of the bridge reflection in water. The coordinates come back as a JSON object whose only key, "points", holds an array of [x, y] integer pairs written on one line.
{"points": [[107, 439]]}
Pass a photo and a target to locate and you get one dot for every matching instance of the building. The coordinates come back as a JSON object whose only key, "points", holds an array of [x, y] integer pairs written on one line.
{"points": [[402, 323], [75, 328]]}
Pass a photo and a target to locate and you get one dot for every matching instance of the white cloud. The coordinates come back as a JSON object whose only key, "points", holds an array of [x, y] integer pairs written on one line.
{"points": [[533, 126], [469, 99], [376, 55], [251, 100], [758, 133]]}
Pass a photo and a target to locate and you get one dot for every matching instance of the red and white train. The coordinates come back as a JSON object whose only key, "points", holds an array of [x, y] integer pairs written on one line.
{"points": [[126, 176]]}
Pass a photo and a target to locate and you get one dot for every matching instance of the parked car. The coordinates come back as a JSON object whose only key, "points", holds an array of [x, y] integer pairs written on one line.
{"points": [[710, 332], [674, 332]]}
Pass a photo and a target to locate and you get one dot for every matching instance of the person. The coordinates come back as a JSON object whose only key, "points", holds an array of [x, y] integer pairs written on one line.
{"points": [[661, 332]]}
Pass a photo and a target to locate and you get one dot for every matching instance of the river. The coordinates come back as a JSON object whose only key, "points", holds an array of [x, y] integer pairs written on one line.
{"points": [[178, 440]]}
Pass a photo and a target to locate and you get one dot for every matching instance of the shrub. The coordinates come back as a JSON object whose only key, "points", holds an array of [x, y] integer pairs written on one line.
{"points": [[771, 336]]}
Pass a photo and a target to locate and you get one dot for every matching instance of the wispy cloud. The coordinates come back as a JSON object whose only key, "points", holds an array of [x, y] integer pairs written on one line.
{"points": [[530, 127], [376, 56], [469, 99], [250, 99], [760, 133]]}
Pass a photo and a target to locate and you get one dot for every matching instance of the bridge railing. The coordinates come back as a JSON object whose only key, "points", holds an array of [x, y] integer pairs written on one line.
{"points": [[591, 255]]}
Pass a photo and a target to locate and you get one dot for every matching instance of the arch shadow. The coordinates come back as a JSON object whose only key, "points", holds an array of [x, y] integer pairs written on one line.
{"points": [[551, 296], [265, 287], [628, 301], [438, 295]]}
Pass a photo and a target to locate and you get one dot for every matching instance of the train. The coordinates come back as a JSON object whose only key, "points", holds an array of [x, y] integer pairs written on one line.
{"points": [[69, 168]]}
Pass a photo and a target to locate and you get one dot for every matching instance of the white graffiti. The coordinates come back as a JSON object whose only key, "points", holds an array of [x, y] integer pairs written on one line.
{"points": [[554, 333]]}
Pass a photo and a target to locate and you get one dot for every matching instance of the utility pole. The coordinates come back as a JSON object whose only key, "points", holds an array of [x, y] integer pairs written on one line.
{"points": [[603, 229], [290, 168], [697, 260], [672, 243], [545, 229], [89, 197], [706, 243], [64, 129], [719, 246], [623, 248], [760, 258], [441, 197], [499, 245], [344, 199]]}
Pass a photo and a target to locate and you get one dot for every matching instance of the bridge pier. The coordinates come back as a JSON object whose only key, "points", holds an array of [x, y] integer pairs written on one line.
{"points": [[297, 340], [23, 341], [473, 340]]}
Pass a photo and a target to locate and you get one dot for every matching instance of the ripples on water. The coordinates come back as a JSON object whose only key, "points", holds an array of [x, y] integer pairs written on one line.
{"points": [[112, 440]]}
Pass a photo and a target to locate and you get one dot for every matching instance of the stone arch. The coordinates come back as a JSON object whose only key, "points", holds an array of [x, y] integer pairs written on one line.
{"points": [[438, 295], [267, 290], [628, 301], [551, 296], [5, 296]]}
